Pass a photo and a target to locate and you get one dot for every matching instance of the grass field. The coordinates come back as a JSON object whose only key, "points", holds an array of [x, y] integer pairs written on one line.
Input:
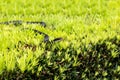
{"points": [[89, 49]]}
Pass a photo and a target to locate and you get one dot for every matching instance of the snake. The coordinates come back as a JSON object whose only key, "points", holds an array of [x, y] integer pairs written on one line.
{"points": [[20, 22], [41, 23]]}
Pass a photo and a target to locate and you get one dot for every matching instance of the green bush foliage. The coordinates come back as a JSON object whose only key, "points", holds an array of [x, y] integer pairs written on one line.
{"points": [[89, 49]]}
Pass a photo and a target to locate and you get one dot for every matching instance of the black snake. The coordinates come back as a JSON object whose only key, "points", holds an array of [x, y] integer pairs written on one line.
{"points": [[20, 22]]}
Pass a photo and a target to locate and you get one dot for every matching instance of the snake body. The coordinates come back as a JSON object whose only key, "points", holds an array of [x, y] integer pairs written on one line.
{"points": [[20, 22]]}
